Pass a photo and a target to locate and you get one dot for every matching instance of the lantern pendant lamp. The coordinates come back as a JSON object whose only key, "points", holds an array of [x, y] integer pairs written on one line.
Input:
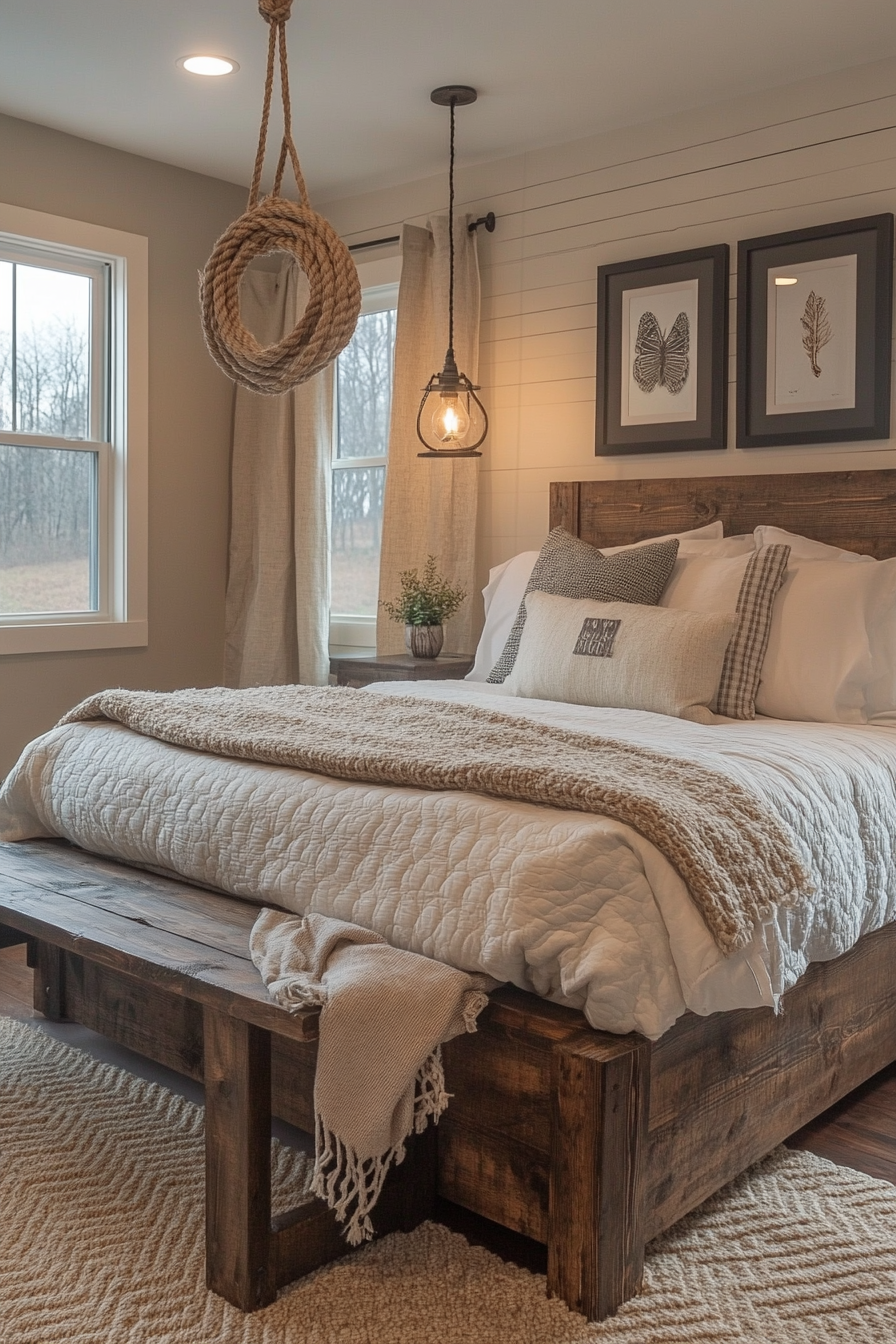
{"points": [[451, 421]]}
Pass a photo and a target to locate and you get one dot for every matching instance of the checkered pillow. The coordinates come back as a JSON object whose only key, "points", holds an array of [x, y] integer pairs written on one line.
{"points": [[742, 668], [568, 567]]}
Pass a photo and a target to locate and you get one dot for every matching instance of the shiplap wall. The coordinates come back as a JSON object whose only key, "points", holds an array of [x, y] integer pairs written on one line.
{"points": [[792, 157]]}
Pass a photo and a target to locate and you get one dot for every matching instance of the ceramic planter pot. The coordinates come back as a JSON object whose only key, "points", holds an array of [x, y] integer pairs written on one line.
{"points": [[424, 641]]}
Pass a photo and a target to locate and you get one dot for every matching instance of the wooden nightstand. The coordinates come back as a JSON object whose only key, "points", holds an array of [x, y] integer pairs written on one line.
{"points": [[361, 670]]}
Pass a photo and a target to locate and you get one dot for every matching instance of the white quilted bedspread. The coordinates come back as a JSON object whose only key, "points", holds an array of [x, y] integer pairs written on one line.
{"points": [[578, 908]]}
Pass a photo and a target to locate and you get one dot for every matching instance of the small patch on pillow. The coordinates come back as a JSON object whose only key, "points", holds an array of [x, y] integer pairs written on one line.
{"points": [[597, 637]]}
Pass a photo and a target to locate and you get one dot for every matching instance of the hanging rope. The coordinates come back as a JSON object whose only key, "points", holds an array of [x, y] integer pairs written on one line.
{"points": [[274, 224]]}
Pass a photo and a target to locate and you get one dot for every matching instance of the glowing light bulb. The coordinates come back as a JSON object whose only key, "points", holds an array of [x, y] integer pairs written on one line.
{"points": [[450, 420], [208, 65]]}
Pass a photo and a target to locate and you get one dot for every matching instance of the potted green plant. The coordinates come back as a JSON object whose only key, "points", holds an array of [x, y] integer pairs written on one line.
{"points": [[425, 602]]}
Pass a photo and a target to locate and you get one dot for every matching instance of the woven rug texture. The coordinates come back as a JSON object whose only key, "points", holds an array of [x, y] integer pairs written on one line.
{"points": [[101, 1242]]}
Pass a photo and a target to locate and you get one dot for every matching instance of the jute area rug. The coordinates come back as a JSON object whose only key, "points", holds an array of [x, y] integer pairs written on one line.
{"points": [[101, 1240]]}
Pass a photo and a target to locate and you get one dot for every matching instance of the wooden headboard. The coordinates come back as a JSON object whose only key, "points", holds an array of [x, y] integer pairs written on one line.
{"points": [[852, 509]]}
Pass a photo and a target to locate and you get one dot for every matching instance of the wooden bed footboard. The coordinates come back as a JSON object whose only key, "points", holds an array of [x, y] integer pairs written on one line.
{"points": [[595, 1143]]}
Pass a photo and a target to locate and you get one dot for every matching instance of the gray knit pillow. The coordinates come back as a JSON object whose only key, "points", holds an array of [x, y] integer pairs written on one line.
{"points": [[568, 567]]}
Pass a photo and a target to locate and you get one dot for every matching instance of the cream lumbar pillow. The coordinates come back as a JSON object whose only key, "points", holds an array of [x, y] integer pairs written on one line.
{"points": [[621, 655]]}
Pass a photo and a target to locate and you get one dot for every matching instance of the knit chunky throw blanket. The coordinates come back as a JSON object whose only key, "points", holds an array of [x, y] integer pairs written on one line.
{"points": [[738, 860], [384, 1016]]}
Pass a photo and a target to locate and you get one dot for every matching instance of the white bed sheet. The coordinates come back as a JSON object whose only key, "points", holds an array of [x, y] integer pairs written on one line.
{"points": [[580, 909]]}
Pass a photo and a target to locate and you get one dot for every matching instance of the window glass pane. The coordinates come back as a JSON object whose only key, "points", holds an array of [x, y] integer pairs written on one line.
{"points": [[364, 387], [47, 503], [5, 345], [52, 352], [357, 524]]}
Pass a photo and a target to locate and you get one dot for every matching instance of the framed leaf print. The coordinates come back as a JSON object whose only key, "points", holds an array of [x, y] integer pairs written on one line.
{"points": [[814, 319], [662, 353]]}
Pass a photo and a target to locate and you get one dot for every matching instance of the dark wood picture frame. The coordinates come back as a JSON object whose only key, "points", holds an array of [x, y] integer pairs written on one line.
{"points": [[709, 266], [871, 240]]}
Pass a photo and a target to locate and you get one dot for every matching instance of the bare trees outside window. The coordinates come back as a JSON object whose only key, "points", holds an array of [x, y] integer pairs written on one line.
{"points": [[48, 493], [363, 405]]}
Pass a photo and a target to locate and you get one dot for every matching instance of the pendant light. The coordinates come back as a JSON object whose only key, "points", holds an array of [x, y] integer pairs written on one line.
{"points": [[451, 421]]}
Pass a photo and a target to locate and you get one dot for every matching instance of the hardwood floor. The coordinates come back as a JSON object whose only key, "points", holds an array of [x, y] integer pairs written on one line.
{"points": [[859, 1132]]}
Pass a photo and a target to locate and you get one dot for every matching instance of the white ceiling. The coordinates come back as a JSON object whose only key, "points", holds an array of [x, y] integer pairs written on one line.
{"points": [[547, 71]]}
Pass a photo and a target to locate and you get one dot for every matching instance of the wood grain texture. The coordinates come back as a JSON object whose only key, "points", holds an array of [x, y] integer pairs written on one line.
{"points": [[358, 671], [49, 983], [599, 1109], [16, 984], [495, 1139], [855, 510], [166, 1028], [162, 940], [211, 918], [726, 1089], [237, 1161], [859, 1130], [565, 502]]}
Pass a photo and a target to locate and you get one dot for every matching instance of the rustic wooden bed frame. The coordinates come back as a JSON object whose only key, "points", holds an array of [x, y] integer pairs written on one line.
{"points": [[588, 1142]]}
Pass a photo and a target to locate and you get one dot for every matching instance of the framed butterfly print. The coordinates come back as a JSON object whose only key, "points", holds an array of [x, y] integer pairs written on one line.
{"points": [[662, 353], [814, 326]]}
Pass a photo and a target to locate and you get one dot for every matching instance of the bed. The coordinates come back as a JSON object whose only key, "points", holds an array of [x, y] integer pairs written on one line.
{"points": [[593, 1141]]}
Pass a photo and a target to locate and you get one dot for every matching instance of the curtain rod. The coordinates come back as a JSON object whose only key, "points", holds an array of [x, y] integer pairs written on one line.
{"points": [[374, 242], [488, 220]]}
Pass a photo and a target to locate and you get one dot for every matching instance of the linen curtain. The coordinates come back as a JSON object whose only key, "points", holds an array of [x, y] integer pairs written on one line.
{"points": [[430, 506], [278, 589]]}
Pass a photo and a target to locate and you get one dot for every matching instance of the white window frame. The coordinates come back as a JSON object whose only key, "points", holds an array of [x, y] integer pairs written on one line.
{"points": [[379, 292], [122, 456]]}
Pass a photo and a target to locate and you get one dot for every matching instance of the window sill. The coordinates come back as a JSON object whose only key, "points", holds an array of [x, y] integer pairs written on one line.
{"points": [[353, 632], [352, 651], [71, 636]]}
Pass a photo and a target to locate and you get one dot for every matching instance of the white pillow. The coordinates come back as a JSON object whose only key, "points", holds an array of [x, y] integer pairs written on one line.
{"points": [[620, 655], [709, 580], [502, 595], [853, 679], [803, 548], [507, 585], [708, 532], [820, 663]]}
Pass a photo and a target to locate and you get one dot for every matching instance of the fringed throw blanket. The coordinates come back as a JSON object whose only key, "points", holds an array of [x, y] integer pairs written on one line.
{"points": [[737, 858], [385, 1014]]}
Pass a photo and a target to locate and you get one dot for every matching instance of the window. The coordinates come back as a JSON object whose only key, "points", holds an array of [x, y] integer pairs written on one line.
{"points": [[72, 435], [360, 444]]}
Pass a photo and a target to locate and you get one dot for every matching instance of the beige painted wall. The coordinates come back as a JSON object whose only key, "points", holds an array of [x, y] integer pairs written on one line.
{"points": [[807, 154], [182, 214]]}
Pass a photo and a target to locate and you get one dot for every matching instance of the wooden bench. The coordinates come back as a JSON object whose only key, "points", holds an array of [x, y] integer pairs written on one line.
{"points": [[164, 968]]}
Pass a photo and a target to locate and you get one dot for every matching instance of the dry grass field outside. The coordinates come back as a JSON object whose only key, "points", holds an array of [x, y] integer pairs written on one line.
{"points": [[61, 585], [355, 570]]}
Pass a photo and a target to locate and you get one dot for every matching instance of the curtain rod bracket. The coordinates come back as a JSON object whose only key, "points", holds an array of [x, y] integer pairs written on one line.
{"points": [[488, 220]]}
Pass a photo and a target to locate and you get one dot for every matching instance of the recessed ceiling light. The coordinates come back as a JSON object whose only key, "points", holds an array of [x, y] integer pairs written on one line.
{"points": [[786, 280], [208, 65]]}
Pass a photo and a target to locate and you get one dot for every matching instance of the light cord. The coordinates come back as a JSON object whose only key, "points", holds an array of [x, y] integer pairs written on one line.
{"points": [[451, 235]]}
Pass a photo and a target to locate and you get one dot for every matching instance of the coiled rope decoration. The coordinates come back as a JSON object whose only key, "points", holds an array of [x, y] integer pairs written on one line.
{"points": [[275, 224]]}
